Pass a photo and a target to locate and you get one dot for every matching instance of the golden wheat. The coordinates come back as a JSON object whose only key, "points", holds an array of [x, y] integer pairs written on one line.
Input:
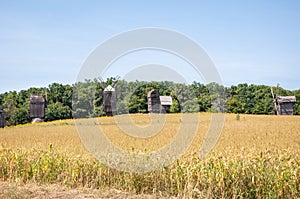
{"points": [[257, 156]]}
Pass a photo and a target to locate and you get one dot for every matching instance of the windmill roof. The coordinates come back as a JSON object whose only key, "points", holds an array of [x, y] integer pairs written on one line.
{"points": [[165, 100], [109, 88], [152, 91], [283, 99], [34, 98]]}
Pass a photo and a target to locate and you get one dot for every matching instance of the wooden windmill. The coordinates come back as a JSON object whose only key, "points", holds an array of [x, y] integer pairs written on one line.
{"points": [[110, 97], [157, 103], [283, 105], [37, 107]]}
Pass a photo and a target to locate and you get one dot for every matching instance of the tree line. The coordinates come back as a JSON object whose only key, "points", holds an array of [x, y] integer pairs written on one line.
{"points": [[85, 99]]}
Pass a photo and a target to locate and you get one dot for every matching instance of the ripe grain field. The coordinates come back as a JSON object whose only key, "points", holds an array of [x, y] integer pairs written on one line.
{"points": [[257, 156]]}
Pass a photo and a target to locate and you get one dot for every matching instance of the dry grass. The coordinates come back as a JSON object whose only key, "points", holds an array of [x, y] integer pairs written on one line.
{"points": [[10, 190], [62, 135], [251, 131], [257, 156]]}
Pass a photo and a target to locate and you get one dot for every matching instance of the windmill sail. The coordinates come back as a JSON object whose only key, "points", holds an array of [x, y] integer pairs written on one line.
{"points": [[275, 102]]}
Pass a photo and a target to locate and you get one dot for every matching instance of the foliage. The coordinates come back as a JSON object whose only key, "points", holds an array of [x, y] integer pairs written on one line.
{"points": [[250, 99], [85, 99], [19, 116], [57, 110]]}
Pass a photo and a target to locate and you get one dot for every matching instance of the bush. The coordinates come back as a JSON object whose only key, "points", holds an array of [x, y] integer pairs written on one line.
{"points": [[57, 111], [19, 116]]}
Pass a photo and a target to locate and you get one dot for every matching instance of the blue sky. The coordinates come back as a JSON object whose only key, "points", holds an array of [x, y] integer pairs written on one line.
{"points": [[249, 41]]}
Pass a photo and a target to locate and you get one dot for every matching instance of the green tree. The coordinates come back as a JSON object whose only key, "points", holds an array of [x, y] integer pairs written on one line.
{"points": [[19, 116], [84, 99], [57, 111], [234, 106]]}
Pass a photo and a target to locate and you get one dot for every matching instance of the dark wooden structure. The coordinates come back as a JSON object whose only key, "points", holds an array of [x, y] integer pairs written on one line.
{"points": [[2, 121], [165, 102], [153, 101], [109, 101], [157, 103], [37, 106], [285, 105]]}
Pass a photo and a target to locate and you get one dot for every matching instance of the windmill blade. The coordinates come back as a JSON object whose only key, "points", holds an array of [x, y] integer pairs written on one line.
{"points": [[46, 100], [277, 91], [102, 82], [116, 80], [100, 78], [275, 101], [117, 77], [103, 85], [272, 92], [276, 107]]}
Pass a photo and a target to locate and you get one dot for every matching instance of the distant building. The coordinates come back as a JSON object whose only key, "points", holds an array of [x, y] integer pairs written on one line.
{"points": [[165, 102], [109, 100], [2, 121], [157, 103], [37, 106], [285, 105], [153, 101]]}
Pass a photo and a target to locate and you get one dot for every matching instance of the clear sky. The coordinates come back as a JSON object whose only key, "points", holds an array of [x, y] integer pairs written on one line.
{"points": [[47, 41]]}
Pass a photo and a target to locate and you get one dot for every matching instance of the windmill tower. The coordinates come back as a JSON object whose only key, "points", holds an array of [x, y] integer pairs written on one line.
{"points": [[37, 107], [153, 101], [110, 97]]}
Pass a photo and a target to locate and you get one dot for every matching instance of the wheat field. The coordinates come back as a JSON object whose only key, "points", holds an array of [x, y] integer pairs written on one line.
{"points": [[257, 156]]}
